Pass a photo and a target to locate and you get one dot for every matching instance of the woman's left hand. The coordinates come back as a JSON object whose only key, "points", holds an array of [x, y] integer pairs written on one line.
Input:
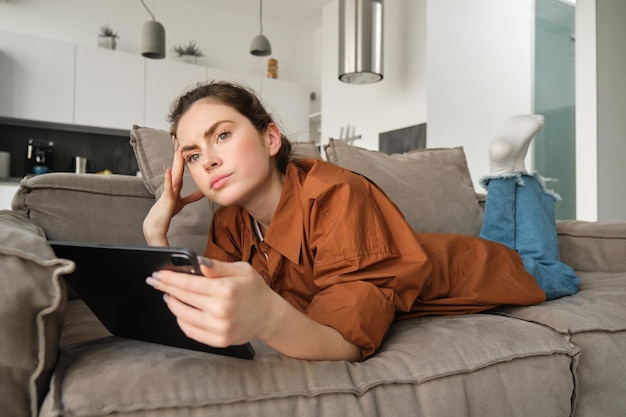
{"points": [[231, 305]]}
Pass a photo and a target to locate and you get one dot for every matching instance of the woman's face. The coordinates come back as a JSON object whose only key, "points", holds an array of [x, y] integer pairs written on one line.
{"points": [[230, 162]]}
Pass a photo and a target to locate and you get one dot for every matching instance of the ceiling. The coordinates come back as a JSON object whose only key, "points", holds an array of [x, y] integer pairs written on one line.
{"points": [[300, 13]]}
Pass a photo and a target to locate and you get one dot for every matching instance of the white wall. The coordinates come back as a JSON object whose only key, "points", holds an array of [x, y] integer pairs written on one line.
{"points": [[607, 138], [464, 67], [399, 100], [480, 72], [586, 112], [224, 37], [611, 31], [600, 107]]}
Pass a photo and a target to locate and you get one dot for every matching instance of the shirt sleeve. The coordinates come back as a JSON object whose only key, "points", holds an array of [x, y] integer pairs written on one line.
{"points": [[225, 241], [357, 310], [368, 263]]}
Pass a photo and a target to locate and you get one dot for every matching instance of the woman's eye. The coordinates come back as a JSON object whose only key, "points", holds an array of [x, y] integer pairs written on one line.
{"points": [[223, 136], [192, 158]]}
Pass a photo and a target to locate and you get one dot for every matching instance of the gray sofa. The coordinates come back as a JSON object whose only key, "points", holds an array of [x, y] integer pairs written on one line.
{"points": [[561, 358]]}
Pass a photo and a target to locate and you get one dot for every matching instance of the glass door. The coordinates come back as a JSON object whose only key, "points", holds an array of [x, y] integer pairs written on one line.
{"points": [[555, 145]]}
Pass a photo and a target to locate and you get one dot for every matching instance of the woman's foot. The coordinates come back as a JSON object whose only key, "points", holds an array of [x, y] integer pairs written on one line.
{"points": [[508, 150]]}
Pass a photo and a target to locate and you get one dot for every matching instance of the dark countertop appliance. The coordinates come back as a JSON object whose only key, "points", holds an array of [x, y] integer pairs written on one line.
{"points": [[39, 152]]}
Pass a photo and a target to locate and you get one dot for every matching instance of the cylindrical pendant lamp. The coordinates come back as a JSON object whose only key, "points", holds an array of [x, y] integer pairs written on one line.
{"points": [[153, 40], [360, 41], [152, 37]]}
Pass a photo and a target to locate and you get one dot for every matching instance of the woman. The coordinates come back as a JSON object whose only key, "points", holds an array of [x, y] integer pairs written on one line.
{"points": [[315, 260]]}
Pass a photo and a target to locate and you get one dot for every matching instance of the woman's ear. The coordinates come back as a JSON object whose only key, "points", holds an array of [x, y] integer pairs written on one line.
{"points": [[274, 138]]}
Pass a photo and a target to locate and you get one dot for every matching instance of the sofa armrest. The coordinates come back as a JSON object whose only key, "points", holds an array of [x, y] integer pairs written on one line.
{"points": [[85, 207], [32, 307], [593, 246]]}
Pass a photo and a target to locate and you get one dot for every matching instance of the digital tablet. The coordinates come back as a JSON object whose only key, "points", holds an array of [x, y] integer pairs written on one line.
{"points": [[111, 280]]}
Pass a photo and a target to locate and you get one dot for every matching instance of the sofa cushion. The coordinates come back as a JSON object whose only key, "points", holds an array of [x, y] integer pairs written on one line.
{"points": [[427, 367], [594, 319], [432, 187], [154, 151], [32, 304], [85, 207], [593, 246]]}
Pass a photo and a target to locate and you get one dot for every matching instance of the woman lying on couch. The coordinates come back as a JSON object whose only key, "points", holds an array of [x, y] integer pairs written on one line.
{"points": [[315, 260]]}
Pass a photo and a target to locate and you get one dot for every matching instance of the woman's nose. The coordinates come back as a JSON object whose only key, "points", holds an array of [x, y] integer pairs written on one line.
{"points": [[210, 161]]}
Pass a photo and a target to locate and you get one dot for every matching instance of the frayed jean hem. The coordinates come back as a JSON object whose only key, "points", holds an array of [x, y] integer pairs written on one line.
{"points": [[519, 175]]}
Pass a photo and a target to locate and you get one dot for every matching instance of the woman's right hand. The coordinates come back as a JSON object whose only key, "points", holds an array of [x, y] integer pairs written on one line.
{"points": [[157, 222]]}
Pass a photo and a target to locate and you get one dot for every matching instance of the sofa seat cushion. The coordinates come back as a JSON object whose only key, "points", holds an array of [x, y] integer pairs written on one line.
{"points": [[32, 303], [594, 320], [484, 364]]}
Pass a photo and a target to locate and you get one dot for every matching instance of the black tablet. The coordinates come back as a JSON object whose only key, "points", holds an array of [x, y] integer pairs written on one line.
{"points": [[111, 280]]}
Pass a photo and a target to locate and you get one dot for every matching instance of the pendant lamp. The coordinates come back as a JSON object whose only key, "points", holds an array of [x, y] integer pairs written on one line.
{"points": [[260, 46], [360, 41], [152, 38]]}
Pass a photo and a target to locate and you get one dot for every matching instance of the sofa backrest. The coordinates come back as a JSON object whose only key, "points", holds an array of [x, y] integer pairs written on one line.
{"points": [[85, 207], [432, 187]]}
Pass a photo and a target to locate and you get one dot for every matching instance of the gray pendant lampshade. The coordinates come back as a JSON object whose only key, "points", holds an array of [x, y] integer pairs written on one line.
{"points": [[152, 38], [360, 41], [260, 46]]}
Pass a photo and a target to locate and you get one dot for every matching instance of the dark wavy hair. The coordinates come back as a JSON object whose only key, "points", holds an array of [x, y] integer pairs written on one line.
{"points": [[239, 98]]}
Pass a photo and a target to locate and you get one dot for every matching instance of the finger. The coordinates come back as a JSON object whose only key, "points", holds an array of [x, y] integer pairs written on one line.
{"points": [[193, 197], [178, 167], [178, 283], [196, 324], [205, 327], [167, 181], [195, 290], [194, 301], [192, 321], [205, 319], [216, 269]]}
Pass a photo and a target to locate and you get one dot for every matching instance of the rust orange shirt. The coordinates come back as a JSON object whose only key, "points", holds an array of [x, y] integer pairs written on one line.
{"points": [[342, 253]]}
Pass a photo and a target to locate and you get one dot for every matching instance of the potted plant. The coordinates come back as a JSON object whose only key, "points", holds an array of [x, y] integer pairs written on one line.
{"points": [[189, 52], [107, 37]]}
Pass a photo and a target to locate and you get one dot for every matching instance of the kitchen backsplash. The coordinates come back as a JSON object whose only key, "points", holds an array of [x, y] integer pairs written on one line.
{"points": [[103, 151]]}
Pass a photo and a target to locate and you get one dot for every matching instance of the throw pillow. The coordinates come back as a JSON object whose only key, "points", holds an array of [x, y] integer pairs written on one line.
{"points": [[32, 307], [190, 228], [432, 187]]}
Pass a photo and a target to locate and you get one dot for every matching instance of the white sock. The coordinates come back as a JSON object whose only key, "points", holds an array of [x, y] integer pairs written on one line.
{"points": [[508, 150]]}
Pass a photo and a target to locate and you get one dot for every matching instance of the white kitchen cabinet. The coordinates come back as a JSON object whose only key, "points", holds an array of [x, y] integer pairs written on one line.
{"points": [[165, 81], [56, 82], [110, 89], [36, 78]]}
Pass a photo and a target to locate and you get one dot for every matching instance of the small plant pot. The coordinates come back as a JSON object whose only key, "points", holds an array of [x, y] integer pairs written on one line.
{"points": [[189, 59], [107, 42]]}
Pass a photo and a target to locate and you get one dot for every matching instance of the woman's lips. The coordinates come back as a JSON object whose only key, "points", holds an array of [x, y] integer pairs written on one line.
{"points": [[219, 181]]}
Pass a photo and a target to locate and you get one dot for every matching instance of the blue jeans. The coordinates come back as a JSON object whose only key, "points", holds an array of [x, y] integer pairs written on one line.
{"points": [[519, 213]]}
